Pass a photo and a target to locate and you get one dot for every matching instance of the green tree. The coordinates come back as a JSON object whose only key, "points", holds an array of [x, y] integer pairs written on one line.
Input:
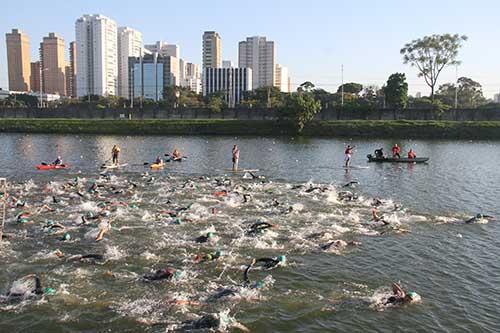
{"points": [[396, 91], [216, 102], [350, 88], [431, 54], [264, 97], [307, 86], [469, 93], [299, 108]]}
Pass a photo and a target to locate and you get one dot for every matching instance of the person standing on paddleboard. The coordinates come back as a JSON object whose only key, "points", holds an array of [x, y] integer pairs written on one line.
{"points": [[115, 152], [348, 155], [236, 157]]}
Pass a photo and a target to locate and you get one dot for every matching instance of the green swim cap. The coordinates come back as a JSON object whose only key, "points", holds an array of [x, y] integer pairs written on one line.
{"points": [[218, 253], [23, 220], [66, 236], [209, 256], [479, 216], [132, 205], [282, 259], [259, 284], [90, 214], [50, 223], [49, 291], [177, 275], [210, 234], [412, 294], [177, 221], [101, 204]]}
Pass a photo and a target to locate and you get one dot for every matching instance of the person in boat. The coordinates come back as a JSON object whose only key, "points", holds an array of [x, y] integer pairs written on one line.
{"points": [[396, 151], [236, 157], [58, 161], [158, 160], [379, 153], [400, 297], [115, 153], [411, 154], [176, 155], [348, 155]]}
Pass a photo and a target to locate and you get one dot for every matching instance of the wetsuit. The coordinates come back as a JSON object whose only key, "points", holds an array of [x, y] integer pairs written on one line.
{"points": [[37, 290], [379, 153], [259, 227], [203, 238], [87, 256], [162, 274]]}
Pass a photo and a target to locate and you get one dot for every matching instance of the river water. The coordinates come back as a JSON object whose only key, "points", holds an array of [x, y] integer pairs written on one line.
{"points": [[453, 266]]}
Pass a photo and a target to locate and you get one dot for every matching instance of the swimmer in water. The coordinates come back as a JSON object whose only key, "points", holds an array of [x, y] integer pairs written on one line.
{"points": [[86, 257], [208, 257], [400, 297], [204, 238], [338, 244], [478, 218], [377, 218], [259, 228], [167, 273], [36, 289]]}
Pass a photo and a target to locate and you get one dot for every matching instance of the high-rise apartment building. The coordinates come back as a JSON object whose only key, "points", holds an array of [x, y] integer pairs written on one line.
{"points": [[129, 45], [233, 82], [164, 49], [281, 78], [97, 56], [53, 65], [18, 60], [71, 72], [258, 53], [35, 76], [191, 77], [212, 50]]}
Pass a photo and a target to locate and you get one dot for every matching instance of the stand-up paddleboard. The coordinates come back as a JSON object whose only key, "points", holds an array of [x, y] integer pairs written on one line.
{"points": [[113, 166], [241, 170], [51, 166]]}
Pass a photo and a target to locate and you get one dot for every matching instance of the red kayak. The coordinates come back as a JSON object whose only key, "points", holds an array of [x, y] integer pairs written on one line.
{"points": [[51, 166]]}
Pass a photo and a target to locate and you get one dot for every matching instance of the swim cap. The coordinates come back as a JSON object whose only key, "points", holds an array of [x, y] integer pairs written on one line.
{"points": [[50, 222], [412, 295], [177, 275], [282, 259], [90, 214], [259, 284], [66, 236], [101, 204], [210, 234], [218, 253], [23, 220], [209, 256], [479, 216], [132, 205], [49, 291]]}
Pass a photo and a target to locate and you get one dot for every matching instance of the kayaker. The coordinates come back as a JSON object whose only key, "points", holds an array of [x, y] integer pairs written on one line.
{"points": [[411, 154], [379, 153], [396, 151], [236, 157], [176, 155], [348, 155], [158, 160], [115, 152], [58, 161]]}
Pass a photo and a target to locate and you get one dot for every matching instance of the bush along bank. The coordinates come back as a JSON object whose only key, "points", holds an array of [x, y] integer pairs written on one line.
{"points": [[346, 128]]}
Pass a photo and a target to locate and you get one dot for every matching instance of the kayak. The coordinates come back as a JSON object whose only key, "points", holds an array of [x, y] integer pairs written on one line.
{"points": [[51, 166], [157, 165], [371, 158]]}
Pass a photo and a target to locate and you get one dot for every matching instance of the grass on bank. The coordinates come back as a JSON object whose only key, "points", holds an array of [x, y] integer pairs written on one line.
{"points": [[345, 128]]}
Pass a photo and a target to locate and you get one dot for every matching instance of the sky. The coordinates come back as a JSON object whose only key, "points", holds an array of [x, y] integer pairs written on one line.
{"points": [[313, 38]]}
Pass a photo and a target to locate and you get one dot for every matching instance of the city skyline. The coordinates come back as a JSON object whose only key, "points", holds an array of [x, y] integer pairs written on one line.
{"points": [[313, 42]]}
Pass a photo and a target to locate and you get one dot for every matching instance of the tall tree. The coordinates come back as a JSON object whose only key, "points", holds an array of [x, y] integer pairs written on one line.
{"points": [[431, 54], [396, 91], [351, 88], [299, 108], [469, 93], [307, 86]]}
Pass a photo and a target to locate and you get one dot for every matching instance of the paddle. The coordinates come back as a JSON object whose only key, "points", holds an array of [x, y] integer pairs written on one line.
{"points": [[146, 163]]}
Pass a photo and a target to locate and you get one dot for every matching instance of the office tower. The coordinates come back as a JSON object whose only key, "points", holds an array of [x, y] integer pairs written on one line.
{"points": [[281, 78], [97, 56], [35, 76], [258, 54], [71, 72], [234, 82], [212, 53], [18, 60]]}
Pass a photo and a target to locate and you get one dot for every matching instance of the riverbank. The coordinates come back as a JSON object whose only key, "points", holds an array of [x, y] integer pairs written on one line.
{"points": [[417, 129]]}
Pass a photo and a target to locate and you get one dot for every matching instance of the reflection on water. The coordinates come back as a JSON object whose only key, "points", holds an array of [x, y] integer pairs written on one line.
{"points": [[452, 265]]}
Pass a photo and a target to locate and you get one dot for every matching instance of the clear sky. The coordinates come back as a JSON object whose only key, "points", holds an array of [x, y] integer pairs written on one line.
{"points": [[313, 38]]}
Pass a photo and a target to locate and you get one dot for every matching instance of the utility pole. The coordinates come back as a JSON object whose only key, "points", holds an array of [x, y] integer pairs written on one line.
{"points": [[456, 87], [342, 86]]}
